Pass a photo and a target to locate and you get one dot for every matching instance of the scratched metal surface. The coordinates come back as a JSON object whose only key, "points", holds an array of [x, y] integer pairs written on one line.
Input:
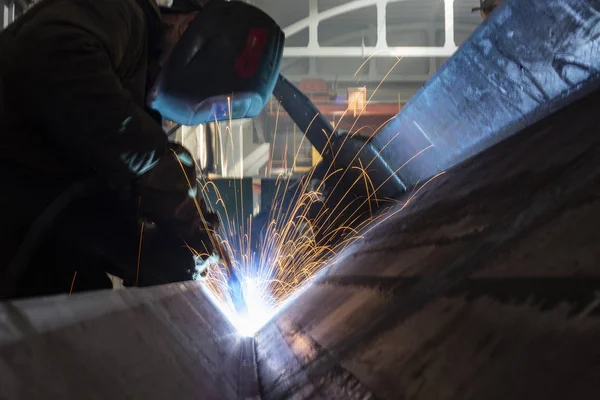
{"points": [[529, 58], [166, 342], [485, 286]]}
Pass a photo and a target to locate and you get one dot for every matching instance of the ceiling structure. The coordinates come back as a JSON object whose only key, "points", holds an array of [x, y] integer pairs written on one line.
{"points": [[331, 39], [7, 13]]}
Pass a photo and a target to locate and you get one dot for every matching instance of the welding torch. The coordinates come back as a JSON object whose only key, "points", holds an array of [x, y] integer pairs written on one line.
{"points": [[233, 281]]}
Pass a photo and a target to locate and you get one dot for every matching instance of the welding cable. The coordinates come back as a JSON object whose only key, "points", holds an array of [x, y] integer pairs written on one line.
{"points": [[40, 228]]}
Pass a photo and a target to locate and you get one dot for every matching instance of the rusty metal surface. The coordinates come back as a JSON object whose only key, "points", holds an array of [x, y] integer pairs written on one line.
{"points": [[528, 59]]}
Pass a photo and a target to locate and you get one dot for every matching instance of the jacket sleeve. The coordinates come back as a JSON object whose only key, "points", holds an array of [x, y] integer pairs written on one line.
{"points": [[65, 76]]}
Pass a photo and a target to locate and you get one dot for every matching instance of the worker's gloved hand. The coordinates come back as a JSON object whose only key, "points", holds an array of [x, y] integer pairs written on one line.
{"points": [[169, 197]]}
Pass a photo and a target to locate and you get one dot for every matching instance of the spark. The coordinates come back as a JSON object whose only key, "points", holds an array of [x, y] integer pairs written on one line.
{"points": [[72, 283], [300, 240], [292, 250], [139, 259]]}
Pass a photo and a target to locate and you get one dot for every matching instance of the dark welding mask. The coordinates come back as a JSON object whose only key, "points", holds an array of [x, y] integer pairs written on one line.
{"points": [[224, 66]]}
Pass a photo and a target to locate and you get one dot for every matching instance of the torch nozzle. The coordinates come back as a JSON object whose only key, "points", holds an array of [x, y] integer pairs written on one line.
{"points": [[234, 282]]}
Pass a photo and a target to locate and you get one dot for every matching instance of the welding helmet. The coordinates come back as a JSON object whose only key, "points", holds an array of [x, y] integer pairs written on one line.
{"points": [[224, 66], [181, 6]]}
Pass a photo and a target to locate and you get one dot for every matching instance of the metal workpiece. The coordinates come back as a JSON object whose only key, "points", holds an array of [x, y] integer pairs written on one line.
{"points": [[482, 281], [248, 387], [154, 343], [293, 349], [528, 59], [484, 284]]}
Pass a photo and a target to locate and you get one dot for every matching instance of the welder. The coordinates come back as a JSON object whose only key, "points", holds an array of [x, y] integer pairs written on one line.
{"points": [[90, 183]]}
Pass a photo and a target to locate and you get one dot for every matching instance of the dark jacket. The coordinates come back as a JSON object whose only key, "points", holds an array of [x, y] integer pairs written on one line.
{"points": [[73, 80]]}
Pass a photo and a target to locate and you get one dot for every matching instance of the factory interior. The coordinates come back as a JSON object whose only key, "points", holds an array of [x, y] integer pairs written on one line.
{"points": [[413, 214]]}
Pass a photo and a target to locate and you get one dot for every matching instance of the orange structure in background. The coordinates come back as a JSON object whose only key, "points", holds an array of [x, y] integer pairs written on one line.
{"points": [[354, 113]]}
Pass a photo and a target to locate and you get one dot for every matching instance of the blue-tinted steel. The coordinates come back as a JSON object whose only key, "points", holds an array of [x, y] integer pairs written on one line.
{"points": [[528, 59]]}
